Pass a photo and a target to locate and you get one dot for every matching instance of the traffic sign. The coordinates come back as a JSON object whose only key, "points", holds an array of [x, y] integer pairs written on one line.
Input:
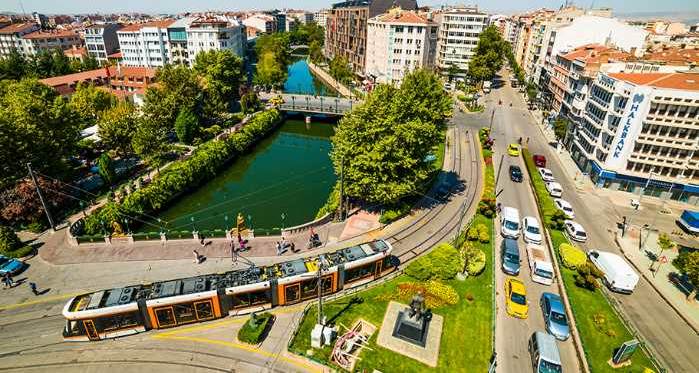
{"points": [[625, 352], [663, 259]]}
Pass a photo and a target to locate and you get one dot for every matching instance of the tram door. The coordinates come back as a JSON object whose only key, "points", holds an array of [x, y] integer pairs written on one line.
{"points": [[379, 268], [292, 293], [90, 330]]}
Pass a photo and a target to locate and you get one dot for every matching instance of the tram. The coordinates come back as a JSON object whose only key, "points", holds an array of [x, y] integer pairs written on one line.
{"points": [[133, 309]]}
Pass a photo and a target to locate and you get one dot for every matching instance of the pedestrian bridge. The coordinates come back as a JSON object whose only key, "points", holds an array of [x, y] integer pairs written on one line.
{"points": [[314, 104]]}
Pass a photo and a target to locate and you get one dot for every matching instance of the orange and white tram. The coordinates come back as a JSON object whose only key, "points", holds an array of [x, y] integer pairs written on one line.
{"points": [[123, 311]]}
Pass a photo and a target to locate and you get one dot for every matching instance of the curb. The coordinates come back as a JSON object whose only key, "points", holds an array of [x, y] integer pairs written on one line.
{"points": [[648, 280]]}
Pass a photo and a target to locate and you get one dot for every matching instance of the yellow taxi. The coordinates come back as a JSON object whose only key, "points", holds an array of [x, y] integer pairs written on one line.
{"points": [[516, 298], [513, 150]]}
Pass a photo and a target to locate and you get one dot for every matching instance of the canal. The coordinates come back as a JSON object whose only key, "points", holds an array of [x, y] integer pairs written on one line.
{"points": [[282, 182]]}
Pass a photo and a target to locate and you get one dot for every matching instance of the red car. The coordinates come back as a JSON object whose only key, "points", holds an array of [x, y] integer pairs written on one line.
{"points": [[539, 160]]}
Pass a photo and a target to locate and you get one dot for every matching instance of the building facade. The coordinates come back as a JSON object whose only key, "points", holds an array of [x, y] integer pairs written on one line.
{"points": [[49, 40], [145, 44], [177, 36], [397, 42], [263, 23], [459, 31], [320, 17], [206, 34], [101, 40], [11, 37]]}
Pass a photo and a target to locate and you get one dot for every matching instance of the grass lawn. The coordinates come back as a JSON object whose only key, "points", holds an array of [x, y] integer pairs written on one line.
{"points": [[601, 337]]}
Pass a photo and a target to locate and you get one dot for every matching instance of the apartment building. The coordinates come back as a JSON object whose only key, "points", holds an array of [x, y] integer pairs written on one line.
{"points": [[215, 33], [320, 17], [640, 132], [346, 28], [177, 36], [101, 40], [145, 44], [397, 42], [37, 41], [301, 16], [459, 30], [11, 37], [262, 23]]}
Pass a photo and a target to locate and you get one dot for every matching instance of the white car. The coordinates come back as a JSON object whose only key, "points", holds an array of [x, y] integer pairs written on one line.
{"points": [[555, 189], [564, 206], [531, 230], [509, 220], [575, 231], [546, 175]]}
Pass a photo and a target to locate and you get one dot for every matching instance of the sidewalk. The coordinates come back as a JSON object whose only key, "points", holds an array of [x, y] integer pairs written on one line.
{"points": [[630, 246]]}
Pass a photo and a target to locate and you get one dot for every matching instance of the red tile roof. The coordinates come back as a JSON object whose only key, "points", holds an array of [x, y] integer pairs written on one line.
{"points": [[674, 56], [402, 16], [50, 34], [115, 55], [683, 80], [17, 27], [75, 52], [78, 77], [592, 53], [137, 26]]}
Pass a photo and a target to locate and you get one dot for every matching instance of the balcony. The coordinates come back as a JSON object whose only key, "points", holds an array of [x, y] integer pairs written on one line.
{"points": [[574, 76], [579, 104]]}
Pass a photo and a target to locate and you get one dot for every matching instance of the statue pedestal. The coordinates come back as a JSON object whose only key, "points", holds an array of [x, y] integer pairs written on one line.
{"points": [[411, 329], [416, 339]]}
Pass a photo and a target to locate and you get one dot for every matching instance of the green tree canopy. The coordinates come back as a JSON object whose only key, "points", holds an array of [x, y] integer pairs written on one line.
{"points": [[688, 264], [269, 72], [106, 169], [116, 127], [340, 69], [150, 140], [221, 73], [560, 127], [36, 125], [250, 102], [178, 87], [384, 142], [489, 54], [89, 102], [315, 51], [186, 125], [14, 66]]}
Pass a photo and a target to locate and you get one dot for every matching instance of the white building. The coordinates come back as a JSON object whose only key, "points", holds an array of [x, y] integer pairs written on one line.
{"points": [[320, 17], [11, 37], [262, 23], [301, 16], [145, 44], [640, 132], [601, 30], [397, 42], [206, 34], [101, 40], [50, 40], [459, 30]]}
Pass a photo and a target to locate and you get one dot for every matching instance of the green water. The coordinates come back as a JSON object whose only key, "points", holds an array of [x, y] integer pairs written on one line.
{"points": [[287, 173]]}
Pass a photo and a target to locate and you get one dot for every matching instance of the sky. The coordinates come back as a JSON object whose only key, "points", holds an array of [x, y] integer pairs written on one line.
{"points": [[177, 6]]}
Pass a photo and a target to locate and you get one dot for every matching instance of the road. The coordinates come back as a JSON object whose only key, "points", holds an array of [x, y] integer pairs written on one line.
{"points": [[673, 341]]}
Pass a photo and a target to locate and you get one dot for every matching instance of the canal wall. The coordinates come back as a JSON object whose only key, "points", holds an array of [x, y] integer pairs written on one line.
{"points": [[329, 80]]}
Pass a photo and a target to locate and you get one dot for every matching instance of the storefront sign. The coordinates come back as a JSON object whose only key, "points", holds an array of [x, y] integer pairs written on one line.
{"points": [[629, 127]]}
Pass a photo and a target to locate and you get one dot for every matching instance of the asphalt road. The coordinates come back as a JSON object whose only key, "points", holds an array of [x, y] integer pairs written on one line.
{"points": [[672, 340]]}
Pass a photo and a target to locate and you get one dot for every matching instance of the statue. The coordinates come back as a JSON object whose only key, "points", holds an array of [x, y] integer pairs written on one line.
{"points": [[417, 306], [116, 228], [240, 223]]}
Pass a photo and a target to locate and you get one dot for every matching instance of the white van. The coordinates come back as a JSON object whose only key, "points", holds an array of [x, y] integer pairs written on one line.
{"points": [[509, 222], [618, 275], [555, 189]]}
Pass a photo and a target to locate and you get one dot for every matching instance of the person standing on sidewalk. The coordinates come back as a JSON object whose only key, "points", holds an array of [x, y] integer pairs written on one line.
{"points": [[32, 286], [196, 256]]}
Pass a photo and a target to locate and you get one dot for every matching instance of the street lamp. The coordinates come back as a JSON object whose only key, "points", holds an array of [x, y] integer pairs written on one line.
{"points": [[194, 227], [250, 221], [226, 219], [283, 216]]}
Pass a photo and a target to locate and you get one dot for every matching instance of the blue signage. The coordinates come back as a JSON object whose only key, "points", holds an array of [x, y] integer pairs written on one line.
{"points": [[633, 112]]}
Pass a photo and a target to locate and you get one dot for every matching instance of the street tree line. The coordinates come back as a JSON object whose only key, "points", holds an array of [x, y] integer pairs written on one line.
{"points": [[45, 64]]}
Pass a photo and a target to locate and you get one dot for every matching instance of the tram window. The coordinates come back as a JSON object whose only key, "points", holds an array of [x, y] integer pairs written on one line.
{"points": [[359, 273], [309, 288], [75, 327], [165, 316], [115, 322], [259, 297], [250, 299], [387, 263], [184, 312], [292, 293], [204, 310], [327, 284]]}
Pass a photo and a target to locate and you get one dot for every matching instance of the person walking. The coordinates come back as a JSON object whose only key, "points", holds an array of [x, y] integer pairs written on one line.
{"points": [[32, 286], [232, 245], [6, 281], [196, 256]]}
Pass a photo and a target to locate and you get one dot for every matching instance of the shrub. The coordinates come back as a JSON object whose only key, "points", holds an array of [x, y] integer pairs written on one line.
{"points": [[475, 261], [442, 263], [469, 297], [394, 213], [587, 276], [486, 207], [436, 293], [472, 234], [10, 245], [254, 330], [483, 237], [572, 256], [557, 220]]}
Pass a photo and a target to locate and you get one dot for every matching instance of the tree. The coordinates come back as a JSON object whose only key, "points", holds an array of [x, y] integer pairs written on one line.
{"points": [[532, 91], [381, 145], [106, 169], [315, 52], [20, 205], [340, 69], [150, 140], [560, 127], [36, 125], [10, 243], [89, 63], [116, 127], [688, 264], [42, 64], [89, 102], [178, 87], [269, 72], [250, 103], [186, 125], [221, 73], [488, 55], [13, 66], [61, 63]]}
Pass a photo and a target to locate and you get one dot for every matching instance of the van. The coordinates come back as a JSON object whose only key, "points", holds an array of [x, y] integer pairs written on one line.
{"points": [[554, 189], [618, 275], [539, 160], [509, 222], [544, 353], [510, 257]]}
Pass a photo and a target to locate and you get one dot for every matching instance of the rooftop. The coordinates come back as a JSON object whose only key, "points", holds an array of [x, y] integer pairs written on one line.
{"points": [[50, 34], [595, 53], [688, 81], [674, 56], [401, 16], [138, 26], [17, 27]]}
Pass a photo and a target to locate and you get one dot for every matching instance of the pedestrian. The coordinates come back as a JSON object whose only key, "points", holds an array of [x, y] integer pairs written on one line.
{"points": [[10, 281], [201, 241], [279, 248], [293, 247], [6, 280], [196, 256], [33, 287], [232, 251]]}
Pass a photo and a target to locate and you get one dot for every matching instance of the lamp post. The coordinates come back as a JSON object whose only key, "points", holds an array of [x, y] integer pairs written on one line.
{"points": [[283, 216], [194, 227], [250, 221], [226, 219]]}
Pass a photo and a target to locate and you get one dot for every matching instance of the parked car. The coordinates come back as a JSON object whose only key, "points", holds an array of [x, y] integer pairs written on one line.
{"points": [[546, 175], [531, 230], [618, 275], [10, 265], [564, 206], [516, 174], [513, 150], [554, 316], [539, 160], [516, 298], [575, 231], [689, 221], [544, 353], [510, 257], [509, 222], [555, 189]]}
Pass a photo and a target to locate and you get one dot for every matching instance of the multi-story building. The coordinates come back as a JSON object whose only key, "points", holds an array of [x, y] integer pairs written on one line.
{"points": [[177, 36], [459, 31], [145, 44], [41, 20], [301, 16], [101, 40], [320, 17], [640, 132], [11, 37], [263, 23], [397, 42], [215, 33], [37, 41], [346, 28]]}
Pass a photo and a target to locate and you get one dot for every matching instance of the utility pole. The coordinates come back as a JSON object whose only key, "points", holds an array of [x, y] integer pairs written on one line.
{"points": [[342, 187], [320, 291], [41, 196]]}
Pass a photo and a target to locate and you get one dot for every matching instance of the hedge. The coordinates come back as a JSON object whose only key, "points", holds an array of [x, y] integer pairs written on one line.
{"points": [[442, 263], [253, 331], [189, 173], [475, 262], [572, 256]]}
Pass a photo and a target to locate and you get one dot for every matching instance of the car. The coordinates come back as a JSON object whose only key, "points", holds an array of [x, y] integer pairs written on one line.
{"points": [[10, 265], [575, 231], [564, 206], [539, 160], [509, 222], [516, 298], [510, 257], [516, 174], [555, 189], [554, 316], [513, 150], [546, 175], [531, 230]]}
